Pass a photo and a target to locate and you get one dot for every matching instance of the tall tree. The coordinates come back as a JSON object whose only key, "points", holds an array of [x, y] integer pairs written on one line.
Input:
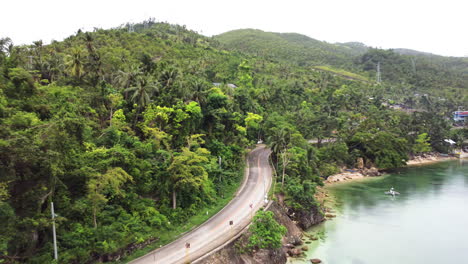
{"points": [[188, 174], [280, 143], [103, 186]]}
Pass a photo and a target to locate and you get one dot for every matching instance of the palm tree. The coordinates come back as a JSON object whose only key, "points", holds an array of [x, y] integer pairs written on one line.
{"points": [[6, 46], [55, 66], [168, 77], [75, 62], [426, 102], [198, 92], [279, 144], [128, 77], [143, 90], [264, 95], [173, 89]]}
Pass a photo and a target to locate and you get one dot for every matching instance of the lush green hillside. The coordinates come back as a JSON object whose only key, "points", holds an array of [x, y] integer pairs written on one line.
{"points": [[124, 132], [407, 74], [410, 76], [290, 47], [357, 48]]}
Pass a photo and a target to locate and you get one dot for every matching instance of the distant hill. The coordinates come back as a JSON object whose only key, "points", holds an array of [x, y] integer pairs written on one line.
{"points": [[411, 70], [413, 52], [357, 47], [291, 47]]}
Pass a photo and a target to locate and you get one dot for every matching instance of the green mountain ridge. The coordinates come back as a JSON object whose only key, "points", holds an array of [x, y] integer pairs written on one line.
{"points": [[412, 71], [292, 47]]}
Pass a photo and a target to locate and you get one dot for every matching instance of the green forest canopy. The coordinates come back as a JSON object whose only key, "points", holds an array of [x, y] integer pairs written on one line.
{"points": [[124, 131]]}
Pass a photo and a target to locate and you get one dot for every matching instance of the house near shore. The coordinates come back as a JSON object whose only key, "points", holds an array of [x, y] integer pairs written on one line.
{"points": [[460, 116]]}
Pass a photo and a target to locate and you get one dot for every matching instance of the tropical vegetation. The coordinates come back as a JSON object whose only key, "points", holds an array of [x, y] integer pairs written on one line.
{"points": [[131, 133]]}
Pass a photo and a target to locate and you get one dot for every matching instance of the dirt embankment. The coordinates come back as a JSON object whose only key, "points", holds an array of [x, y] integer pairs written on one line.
{"points": [[294, 221]]}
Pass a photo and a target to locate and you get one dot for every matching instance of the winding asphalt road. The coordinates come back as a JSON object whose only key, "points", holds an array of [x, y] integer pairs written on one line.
{"points": [[217, 230]]}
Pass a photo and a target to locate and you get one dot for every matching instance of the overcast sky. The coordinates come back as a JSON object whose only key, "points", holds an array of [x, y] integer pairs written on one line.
{"points": [[438, 27]]}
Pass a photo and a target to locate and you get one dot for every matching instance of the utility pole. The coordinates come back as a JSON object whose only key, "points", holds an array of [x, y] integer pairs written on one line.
{"points": [[378, 76], [53, 230]]}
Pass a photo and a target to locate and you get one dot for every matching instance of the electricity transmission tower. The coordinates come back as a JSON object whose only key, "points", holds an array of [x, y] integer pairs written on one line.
{"points": [[378, 76], [413, 64], [30, 63]]}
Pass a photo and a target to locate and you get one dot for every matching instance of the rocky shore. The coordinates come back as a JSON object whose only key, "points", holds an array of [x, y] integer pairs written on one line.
{"points": [[352, 174], [428, 158], [356, 174]]}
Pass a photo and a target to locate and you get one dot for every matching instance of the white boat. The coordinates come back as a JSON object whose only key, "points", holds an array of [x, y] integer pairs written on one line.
{"points": [[392, 192]]}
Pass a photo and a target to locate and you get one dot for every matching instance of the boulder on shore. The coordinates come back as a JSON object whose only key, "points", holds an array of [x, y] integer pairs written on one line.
{"points": [[298, 242], [295, 252], [315, 260], [371, 172]]}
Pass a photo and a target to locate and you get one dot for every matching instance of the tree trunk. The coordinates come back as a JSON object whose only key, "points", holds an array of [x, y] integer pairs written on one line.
{"points": [[285, 160], [136, 117], [110, 117], [283, 169], [275, 175], [282, 177], [174, 201], [94, 217]]}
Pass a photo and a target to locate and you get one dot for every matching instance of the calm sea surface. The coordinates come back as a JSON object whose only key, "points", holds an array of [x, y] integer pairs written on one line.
{"points": [[427, 223]]}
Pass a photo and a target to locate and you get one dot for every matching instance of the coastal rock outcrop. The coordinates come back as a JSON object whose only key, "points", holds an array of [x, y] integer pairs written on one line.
{"points": [[294, 220], [307, 218]]}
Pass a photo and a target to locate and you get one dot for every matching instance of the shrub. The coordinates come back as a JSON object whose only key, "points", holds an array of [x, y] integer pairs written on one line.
{"points": [[265, 231]]}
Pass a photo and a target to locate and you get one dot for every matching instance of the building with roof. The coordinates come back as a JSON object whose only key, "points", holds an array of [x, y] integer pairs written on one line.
{"points": [[230, 85], [460, 116]]}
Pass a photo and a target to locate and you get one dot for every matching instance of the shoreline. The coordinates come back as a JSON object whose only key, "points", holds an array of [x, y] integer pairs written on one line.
{"points": [[335, 205], [359, 174], [428, 160], [352, 175]]}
